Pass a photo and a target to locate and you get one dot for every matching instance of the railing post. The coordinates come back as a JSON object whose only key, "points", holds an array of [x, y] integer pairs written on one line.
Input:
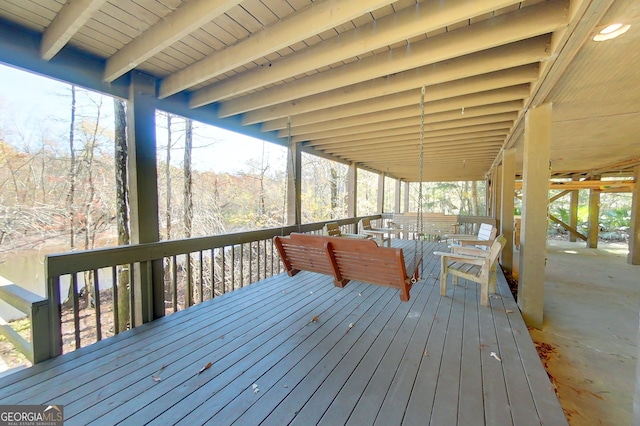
{"points": [[40, 331], [54, 337]]}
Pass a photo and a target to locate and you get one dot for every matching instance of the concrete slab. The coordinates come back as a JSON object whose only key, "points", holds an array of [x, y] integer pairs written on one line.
{"points": [[592, 297]]}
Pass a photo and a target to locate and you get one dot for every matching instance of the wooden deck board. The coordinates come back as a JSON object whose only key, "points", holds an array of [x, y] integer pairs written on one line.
{"points": [[418, 362]]}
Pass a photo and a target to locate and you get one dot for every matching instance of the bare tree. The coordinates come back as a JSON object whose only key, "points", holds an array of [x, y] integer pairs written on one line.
{"points": [[122, 208], [188, 178], [72, 171], [168, 177]]}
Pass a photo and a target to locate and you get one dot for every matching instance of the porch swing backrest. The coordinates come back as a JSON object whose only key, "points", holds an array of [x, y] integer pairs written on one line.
{"points": [[348, 259]]}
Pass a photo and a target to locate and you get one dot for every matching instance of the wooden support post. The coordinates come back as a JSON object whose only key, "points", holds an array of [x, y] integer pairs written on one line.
{"points": [[406, 197], [634, 232], [143, 195], [594, 216], [381, 177], [636, 398], [498, 198], [535, 186], [352, 190], [573, 210], [396, 207], [508, 179], [294, 205]]}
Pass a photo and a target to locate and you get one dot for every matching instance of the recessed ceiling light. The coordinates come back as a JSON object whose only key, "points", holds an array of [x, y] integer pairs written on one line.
{"points": [[611, 31]]}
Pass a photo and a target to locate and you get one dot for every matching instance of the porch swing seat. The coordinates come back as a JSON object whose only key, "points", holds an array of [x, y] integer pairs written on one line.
{"points": [[348, 259]]}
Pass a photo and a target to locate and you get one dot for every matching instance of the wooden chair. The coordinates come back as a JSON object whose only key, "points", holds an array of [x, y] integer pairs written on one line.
{"points": [[381, 235], [472, 264], [484, 238], [332, 229]]}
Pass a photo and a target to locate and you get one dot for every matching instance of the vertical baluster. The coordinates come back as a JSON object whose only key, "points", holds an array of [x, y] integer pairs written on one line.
{"points": [[224, 285], [213, 274], [114, 292], [96, 291], [76, 308], [264, 263], [132, 296], [271, 257], [250, 263], [241, 266], [189, 297], [233, 268], [200, 284], [174, 282]]}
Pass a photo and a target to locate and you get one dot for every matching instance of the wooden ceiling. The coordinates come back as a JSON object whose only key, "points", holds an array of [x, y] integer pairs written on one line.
{"points": [[344, 78]]}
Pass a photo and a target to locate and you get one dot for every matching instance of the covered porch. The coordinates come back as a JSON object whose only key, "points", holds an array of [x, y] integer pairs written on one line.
{"points": [[297, 350]]}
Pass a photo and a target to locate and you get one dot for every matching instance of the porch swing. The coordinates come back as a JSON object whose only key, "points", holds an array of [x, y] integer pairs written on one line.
{"points": [[347, 259]]}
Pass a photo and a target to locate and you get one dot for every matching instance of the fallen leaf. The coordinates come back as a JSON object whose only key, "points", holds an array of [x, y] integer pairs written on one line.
{"points": [[156, 376], [493, 354], [426, 353], [206, 367], [315, 319]]}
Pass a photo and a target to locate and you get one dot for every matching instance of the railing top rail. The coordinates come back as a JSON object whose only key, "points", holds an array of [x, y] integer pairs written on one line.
{"points": [[78, 261]]}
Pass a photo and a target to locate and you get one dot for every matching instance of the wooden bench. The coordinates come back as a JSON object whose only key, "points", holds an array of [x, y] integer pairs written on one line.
{"points": [[434, 225], [484, 238], [347, 259], [472, 264]]}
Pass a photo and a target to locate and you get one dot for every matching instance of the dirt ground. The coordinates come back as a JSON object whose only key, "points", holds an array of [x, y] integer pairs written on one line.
{"points": [[12, 358]]}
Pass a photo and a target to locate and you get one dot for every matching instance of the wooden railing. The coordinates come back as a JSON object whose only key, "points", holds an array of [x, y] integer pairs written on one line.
{"points": [[163, 277], [37, 310]]}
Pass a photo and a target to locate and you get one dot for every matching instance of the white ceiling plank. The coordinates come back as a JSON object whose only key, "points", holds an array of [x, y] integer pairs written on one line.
{"points": [[316, 18], [399, 27], [189, 17], [529, 22], [72, 17]]}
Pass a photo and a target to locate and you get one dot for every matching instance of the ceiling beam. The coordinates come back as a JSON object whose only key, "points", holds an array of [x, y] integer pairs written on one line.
{"points": [[466, 86], [187, 18], [347, 149], [531, 21], [72, 17], [403, 25], [568, 42], [503, 125], [498, 134], [495, 59], [404, 112], [312, 20], [406, 125], [412, 99], [414, 152]]}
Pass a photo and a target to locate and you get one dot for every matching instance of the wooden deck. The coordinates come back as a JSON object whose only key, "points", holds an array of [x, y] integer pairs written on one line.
{"points": [[297, 350]]}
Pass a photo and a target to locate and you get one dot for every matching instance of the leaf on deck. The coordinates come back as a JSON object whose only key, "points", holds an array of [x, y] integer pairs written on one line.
{"points": [[315, 319], [206, 367], [156, 376]]}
